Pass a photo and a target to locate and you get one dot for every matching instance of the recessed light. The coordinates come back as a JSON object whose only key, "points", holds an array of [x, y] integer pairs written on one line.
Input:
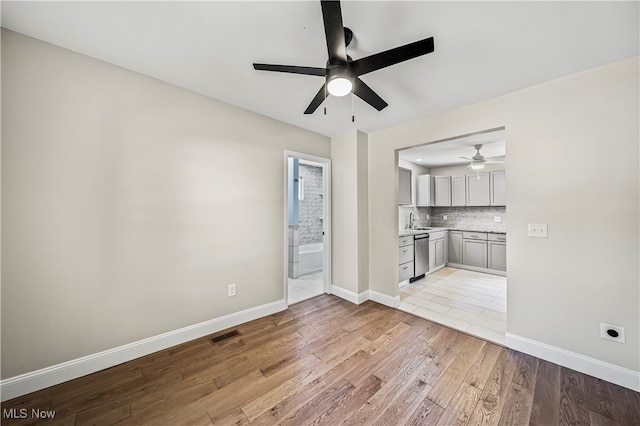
{"points": [[418, 159]]}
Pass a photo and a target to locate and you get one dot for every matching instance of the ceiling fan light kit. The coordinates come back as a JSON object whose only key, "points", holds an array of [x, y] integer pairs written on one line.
{"points": [[342, 73], [339, 81]]}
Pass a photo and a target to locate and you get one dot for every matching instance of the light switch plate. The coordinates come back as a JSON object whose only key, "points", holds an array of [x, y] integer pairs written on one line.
{"points": [[538, 230]]}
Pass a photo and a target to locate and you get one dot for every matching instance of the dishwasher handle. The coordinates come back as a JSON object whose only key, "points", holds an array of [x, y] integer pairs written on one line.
{"points": [[420, 236]]}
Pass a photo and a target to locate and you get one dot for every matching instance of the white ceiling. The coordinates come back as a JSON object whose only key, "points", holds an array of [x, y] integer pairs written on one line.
{"points": [[482, 49], [448, 152]]}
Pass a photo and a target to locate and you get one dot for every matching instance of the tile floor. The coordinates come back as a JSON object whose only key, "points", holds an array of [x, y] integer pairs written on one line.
{"points": [[468, 301], [305, 287]]}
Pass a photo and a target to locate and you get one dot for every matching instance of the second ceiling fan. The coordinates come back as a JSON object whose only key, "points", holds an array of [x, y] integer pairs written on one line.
{"points": [[342, 73], [478, 161]]}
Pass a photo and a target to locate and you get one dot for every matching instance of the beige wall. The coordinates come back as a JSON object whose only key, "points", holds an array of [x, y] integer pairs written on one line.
{"points": [[350, 243], [129, 205], [573, 163]]}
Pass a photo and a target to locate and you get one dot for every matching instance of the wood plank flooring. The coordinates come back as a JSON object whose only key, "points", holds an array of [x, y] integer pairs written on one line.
{"points": [[327, 361]]}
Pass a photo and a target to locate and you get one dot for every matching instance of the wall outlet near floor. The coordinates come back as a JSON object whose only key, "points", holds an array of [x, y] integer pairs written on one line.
{"points": [[444, 217], [231, 290], [538, 230], [612, 332], [497, 218]]}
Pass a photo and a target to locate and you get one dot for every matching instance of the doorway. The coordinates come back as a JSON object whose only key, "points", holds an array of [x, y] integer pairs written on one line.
{"points": [[308, 243], [458, 197]]}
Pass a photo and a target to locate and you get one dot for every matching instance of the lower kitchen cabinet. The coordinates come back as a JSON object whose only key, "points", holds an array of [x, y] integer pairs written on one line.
{"points": [[455, 247], [405, 258], [497, 246], [474, 253], [406, 272], [497, 255], [437, 251]]}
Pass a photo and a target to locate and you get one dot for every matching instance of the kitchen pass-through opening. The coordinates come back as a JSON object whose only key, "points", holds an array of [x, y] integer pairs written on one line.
{"points": [[307, 226]]}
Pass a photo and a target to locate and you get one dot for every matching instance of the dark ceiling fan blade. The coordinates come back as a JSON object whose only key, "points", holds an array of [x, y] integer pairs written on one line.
{"points": [[392, 56], [367, 94], [291, 69], [334, 32], [319, 98]]}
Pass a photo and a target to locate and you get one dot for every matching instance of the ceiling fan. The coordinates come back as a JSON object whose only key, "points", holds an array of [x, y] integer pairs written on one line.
{"points": [[342, 73], [478, 160]]}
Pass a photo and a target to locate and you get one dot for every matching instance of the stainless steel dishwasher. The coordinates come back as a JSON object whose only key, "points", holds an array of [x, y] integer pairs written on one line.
{"points": [[421, 256]]}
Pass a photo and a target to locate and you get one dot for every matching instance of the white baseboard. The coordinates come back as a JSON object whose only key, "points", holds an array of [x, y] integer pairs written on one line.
{"points": [[350, 295], [50, 376], [384, 299], [611, 373]]}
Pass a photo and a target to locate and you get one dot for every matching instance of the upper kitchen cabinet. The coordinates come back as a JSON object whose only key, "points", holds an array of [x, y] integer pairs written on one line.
{"points": [[458, 190], [425, 191], [478, 193], [498, 189], [443, 191], [404, 186]]}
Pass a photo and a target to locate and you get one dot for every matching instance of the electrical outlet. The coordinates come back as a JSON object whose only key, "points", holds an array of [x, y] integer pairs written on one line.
{"points": [[538, 230], [612, 332], [444, 217], [497, 218], [231, 290]]}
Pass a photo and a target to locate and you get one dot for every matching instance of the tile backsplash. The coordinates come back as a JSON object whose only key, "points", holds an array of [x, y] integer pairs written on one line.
{"points": [[422, 215], [476, 218], [473, 218]]}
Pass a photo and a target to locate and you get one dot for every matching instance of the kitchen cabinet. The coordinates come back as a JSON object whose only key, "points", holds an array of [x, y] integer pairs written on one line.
{"points": [[474, 249], [455, 247], [442, 191], [425, 191], [404, 186], [498, 188], [497, 251], [437, 250], [405, 258], [458, 190], [478, 193]]}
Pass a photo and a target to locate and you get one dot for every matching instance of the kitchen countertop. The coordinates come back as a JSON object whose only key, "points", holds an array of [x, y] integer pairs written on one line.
{"points": [[407, 232]]}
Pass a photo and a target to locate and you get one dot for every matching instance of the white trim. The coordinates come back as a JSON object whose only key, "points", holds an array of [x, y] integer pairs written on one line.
{"points": [[326, 181], [349, 295], [384, 299], [352, 297], [603, 370], [49, 376]]}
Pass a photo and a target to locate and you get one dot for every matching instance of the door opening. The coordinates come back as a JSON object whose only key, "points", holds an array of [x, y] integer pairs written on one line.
{"points": [[308, 259]]}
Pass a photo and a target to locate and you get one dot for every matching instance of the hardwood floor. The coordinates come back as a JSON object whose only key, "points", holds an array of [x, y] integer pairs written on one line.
{"points": [[327, 361]]}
